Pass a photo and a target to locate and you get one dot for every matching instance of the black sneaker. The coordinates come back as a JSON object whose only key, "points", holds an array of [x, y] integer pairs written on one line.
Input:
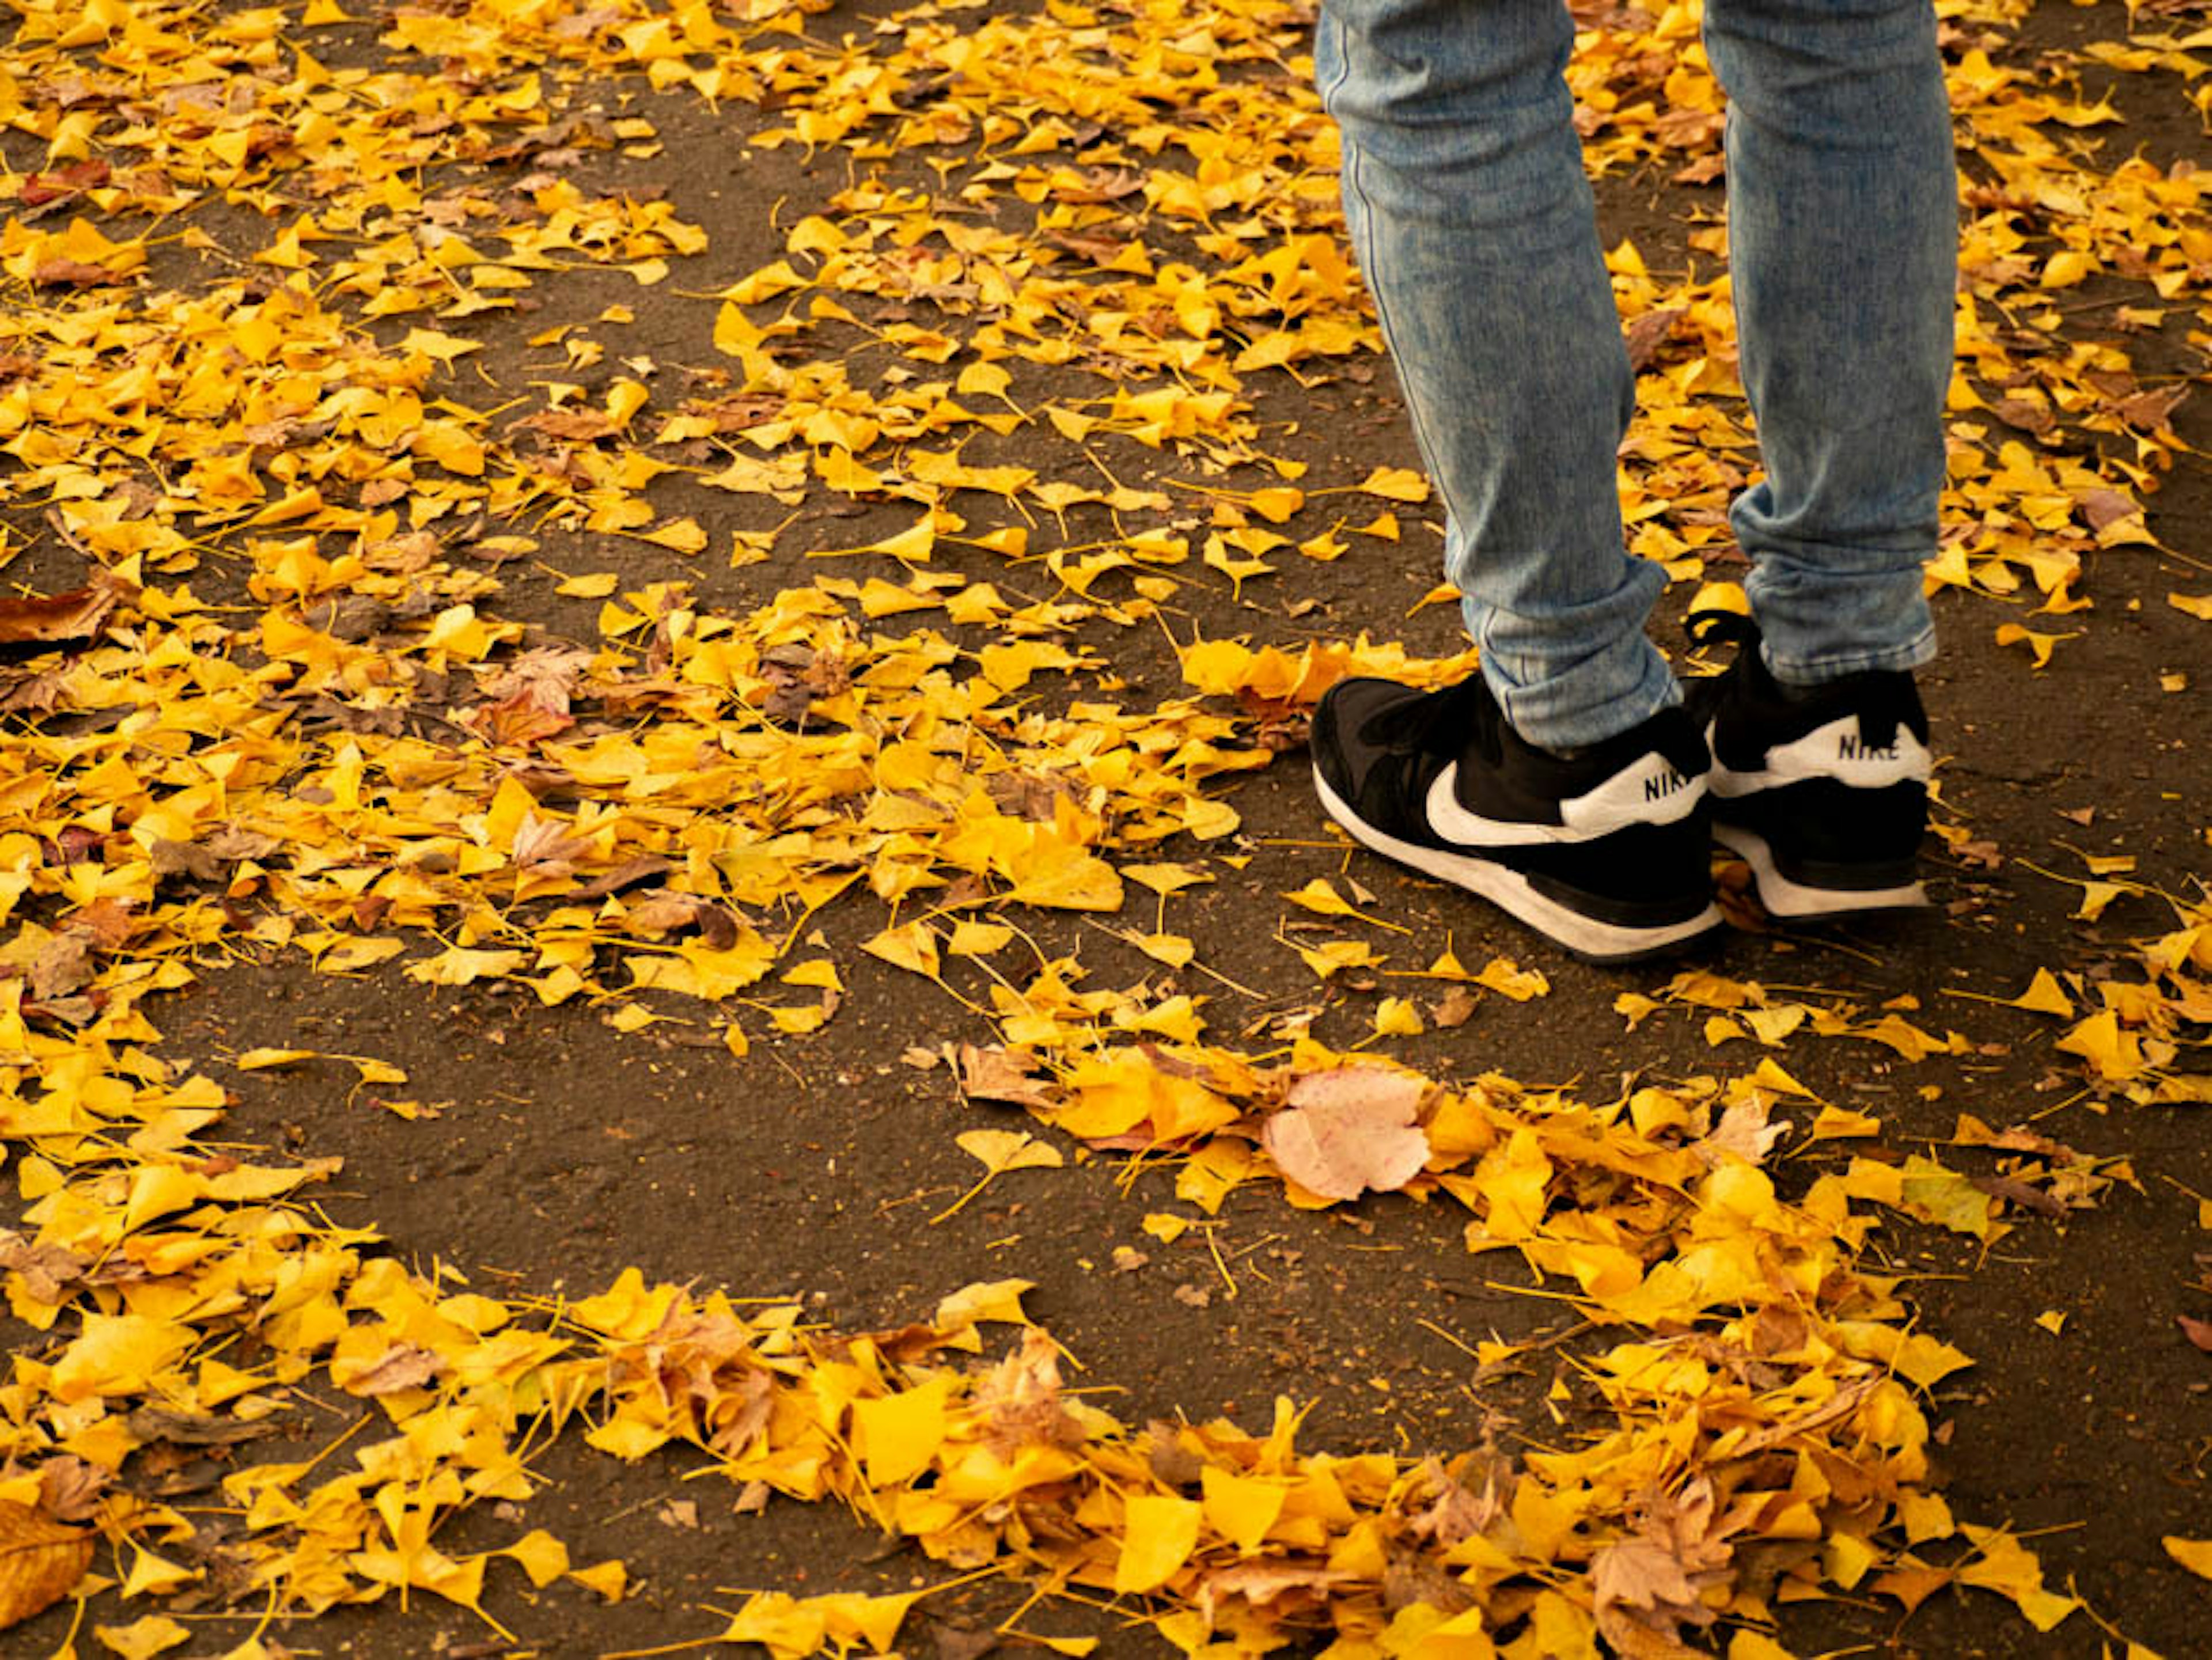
{"points": [[1606, 853], [1823, 790]]}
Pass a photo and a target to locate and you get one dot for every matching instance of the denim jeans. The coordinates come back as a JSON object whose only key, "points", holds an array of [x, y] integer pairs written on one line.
{"points": [[1473, 221]]}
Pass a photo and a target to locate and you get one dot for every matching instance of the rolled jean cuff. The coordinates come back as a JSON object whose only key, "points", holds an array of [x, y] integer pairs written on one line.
{"points": [[1561, 715], [1792, 670]]}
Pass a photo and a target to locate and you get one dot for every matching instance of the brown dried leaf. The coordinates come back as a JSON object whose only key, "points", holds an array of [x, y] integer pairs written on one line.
{"points": [[1649, 332], [994, 1074], [190, 1429], [46, 620], [39, 1560], [69, 1488], [626, 875], [63, 965], [1743, 1130], [2198, 1332], [569, 426], [1457, 1511], [1453, 1008], [1349, 1131], [51, 1275], [2100, 508], [1019, 1403], [2151, 411], [73, 274]]}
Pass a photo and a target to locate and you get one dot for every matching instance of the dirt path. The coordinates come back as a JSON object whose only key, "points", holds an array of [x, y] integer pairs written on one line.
{"points": [[791, 1136]]}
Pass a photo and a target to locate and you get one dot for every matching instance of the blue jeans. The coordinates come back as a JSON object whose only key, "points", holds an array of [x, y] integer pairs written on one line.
{"points": [[1473, 221]]}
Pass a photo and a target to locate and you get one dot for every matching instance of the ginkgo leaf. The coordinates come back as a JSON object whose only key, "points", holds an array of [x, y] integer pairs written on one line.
{"points": [[899, 1434], [2195, 1555], [1007, 1150], [2044, 995], [1396, 485], [1158, 1533], [142, 1638]]}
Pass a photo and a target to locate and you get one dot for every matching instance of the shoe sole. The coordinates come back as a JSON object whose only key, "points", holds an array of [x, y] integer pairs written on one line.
{"points": [[1794, 901], [1592, 941]]}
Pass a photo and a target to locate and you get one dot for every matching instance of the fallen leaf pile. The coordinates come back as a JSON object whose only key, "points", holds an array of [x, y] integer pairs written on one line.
{"points": [[285, 704]]}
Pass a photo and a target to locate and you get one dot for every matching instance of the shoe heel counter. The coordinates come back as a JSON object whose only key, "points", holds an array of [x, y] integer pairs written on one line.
{"points": [[1826, 833], [1644, 874]]}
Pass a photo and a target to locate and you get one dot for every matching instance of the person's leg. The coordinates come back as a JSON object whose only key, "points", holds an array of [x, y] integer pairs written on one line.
{"points": [[1843, 239], [1843, 231], [1472, 219], [1561, 783]]}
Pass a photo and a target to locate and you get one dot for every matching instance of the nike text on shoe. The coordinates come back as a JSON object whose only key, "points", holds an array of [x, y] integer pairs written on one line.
{"points": [[1607, 852], [1822, 790]]}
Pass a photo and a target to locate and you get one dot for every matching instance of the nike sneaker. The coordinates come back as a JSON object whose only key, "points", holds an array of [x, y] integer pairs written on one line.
{"points": [[1823, 789], [1606, 852]]}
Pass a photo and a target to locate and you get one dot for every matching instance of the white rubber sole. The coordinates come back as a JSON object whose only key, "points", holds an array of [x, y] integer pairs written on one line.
{"points": [[1511, 892], [1793, 901]]}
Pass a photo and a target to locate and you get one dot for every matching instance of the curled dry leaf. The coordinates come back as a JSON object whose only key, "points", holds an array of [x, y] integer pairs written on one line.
{"points": [[992, 1074], [69, 1488], [40, 1559], [47, 620], [1350, 1131]]}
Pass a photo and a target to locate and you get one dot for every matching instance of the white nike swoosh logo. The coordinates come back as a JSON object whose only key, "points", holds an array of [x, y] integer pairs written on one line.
{"points": [[1651, 792]]}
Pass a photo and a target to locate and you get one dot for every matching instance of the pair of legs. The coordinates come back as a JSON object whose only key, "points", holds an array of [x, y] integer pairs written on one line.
{"points": [[1472, 218]]}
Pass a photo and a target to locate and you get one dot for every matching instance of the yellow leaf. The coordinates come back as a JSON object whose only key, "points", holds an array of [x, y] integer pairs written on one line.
{"points": [[151, 1576], [2195, 1555], [460, 965], [682, 535], [2066, 268], [1509, 979], [2040, 645], [1396, 484], [541, 1556], [991, 1299], [898, 1435], [443, 347], [857, 1617], [2011, 1570], [982, 379], [119, 1355], [1242, 1508], [2197, 604], [1173, 949], [1755, 1645], [1317, 896], [1068, 879], [260, 1059], [1397, 1016], [1158, 1533], [974, 939], [596, 586], [912, 948], [142, 1638], [1007, 1150], [609, 1578], [2044, 995]]}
